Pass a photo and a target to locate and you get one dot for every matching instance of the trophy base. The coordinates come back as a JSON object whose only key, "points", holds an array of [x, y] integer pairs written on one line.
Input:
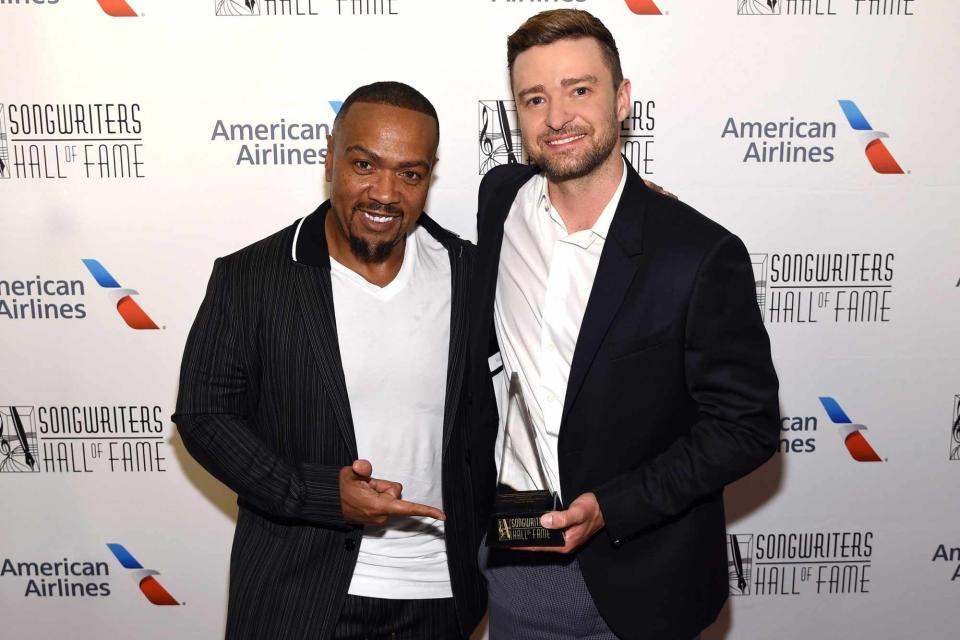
{"points": [[516, 520]]}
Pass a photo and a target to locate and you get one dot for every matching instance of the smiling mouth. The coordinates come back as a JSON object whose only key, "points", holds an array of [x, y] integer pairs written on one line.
{"points": [[378, 219], [565, 140]]}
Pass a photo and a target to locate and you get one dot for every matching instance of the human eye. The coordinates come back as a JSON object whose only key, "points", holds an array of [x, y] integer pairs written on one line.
{"points": [[535, 101], [581, 91], [362, 165], [412, 177]]}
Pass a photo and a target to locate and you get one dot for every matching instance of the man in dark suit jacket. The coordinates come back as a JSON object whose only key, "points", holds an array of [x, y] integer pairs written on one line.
{"points": [[330, 339], [631, 323]]}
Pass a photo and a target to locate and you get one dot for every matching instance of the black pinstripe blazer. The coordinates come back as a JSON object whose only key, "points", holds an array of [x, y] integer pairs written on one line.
{"points": [[263, 407]]}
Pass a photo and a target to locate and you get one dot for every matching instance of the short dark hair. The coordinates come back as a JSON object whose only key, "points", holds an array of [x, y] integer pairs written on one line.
{"points": [[548, 27], [395, 94]]}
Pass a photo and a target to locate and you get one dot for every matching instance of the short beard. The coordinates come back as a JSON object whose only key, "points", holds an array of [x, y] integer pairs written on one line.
{"points": [[373, 253], [593, 158]]}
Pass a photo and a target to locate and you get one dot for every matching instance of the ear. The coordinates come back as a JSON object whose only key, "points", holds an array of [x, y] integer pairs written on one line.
{"points": [[623, 100], [328, 161]]}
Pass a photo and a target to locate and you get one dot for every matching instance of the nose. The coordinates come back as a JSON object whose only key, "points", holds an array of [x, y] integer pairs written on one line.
{"points": [[383, 189], [558, 115]]}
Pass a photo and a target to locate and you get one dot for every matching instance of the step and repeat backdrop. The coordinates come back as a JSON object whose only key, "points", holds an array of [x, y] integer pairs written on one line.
{"points": [[141, 139]]}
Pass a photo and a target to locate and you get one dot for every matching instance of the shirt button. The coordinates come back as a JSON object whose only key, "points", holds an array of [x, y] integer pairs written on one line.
{"points": [[350, 544]]}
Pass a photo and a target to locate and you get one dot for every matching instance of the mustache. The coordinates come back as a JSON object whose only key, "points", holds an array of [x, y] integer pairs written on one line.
{"points": [[378, 207], [565, 131]]}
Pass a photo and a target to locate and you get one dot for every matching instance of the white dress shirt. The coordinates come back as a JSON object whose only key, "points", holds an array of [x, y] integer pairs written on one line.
{"points": [[543, 283]]}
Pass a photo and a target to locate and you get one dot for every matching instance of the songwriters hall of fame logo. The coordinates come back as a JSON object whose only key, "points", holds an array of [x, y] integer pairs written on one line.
{"points": [[739, 563], [759, 7], [500, 140], [18, 440], [302, 8], [759, 263], [238, 7], [4, 148], [502, 143], [955, 430]]}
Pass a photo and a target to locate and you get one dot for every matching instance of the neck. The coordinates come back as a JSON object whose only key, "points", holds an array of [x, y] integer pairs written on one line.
{"points": [[378, 273], [581, 201]]}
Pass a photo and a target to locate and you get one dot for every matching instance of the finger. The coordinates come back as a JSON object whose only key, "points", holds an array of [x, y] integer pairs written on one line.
{"points": [[404, 508], [562, 519], [363, 468], [394, 489]]}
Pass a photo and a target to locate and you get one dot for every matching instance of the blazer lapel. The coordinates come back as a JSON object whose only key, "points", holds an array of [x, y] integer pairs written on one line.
{"points": [[456, 361], [315, 294], [618, 266]]}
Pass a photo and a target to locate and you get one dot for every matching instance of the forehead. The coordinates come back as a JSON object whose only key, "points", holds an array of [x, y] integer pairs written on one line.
{"points": [[388, 130], [568, 58]]}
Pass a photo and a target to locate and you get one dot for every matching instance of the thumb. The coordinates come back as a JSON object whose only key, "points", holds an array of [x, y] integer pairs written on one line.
{"points": [[363, 468], [553, 520]]}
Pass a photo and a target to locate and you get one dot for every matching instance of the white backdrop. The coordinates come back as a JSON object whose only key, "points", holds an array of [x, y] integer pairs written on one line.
{"points": [[90, 396]]}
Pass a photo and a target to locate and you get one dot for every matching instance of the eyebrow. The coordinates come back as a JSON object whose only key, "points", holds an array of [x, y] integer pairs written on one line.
{"points": [[406, 164], [566, 82], [537, 88]]}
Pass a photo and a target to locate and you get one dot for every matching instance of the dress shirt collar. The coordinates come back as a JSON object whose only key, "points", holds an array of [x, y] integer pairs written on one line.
{"points": [[601, 228]]}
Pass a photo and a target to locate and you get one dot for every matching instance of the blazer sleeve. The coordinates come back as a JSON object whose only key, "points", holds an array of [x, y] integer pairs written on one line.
{"points": [[730, 375], [213, 423]]}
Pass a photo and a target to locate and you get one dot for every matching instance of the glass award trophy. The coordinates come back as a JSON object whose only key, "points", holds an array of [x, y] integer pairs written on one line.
{"points": [[515, 521]]}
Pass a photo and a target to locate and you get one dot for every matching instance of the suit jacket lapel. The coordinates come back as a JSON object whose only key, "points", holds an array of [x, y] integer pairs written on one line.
{"points": [[618, 266], [315, 294], [456, 360]]}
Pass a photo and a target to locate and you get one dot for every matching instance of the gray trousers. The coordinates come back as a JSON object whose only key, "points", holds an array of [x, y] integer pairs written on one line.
{"points": [[539, 596]]}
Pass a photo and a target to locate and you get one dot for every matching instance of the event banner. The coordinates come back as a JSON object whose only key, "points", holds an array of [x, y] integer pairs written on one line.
{"points": [[142, 139]]}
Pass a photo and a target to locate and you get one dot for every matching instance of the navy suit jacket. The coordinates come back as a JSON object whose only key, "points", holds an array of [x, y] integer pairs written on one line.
{"points": [[672, 395]]}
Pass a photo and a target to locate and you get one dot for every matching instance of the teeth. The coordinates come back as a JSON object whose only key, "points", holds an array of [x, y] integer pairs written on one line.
{"points": [[378, 219], [565, 140]]}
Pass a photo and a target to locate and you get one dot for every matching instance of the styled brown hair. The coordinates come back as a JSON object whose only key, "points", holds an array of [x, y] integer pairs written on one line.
{"points": [[560, 24]]}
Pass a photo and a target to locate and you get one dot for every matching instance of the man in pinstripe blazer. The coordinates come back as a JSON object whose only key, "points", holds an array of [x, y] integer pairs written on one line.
{"points": [[327, 352]]}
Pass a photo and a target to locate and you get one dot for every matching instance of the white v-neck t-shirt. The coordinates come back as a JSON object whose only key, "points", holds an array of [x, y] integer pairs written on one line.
{"points": [[394, 344]]}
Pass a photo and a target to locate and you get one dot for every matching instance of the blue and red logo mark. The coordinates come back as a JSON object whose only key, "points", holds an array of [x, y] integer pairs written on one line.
{"points": [[852, 434], [877, 153], [127, 307], [144, 578]]}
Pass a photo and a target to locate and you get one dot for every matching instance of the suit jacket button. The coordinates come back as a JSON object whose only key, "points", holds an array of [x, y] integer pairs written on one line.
{"points": [[350, 544]]}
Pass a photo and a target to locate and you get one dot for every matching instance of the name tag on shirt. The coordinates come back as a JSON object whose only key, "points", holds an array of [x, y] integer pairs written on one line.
{"points": [[496, 364]]}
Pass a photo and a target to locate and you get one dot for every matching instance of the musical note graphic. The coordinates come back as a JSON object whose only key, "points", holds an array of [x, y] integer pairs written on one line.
{"points": [[500, 139]]}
